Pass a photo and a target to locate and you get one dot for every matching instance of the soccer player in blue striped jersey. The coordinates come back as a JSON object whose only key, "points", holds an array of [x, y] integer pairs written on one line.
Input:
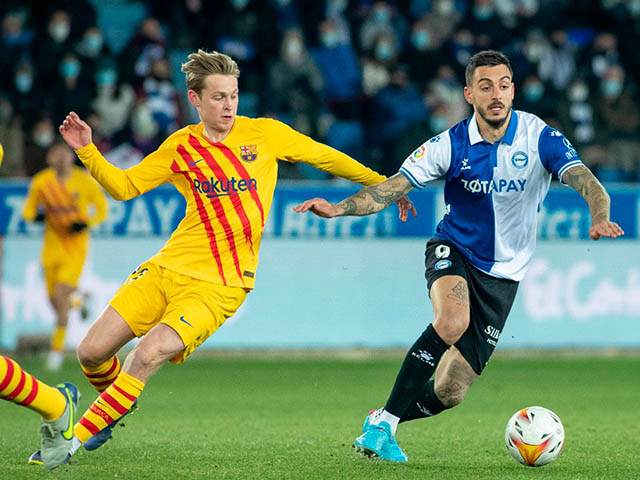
{"points": [[497, 166]]}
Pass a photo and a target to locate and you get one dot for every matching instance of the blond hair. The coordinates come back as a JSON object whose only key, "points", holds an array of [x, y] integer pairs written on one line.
{"points": [[202, 64]]}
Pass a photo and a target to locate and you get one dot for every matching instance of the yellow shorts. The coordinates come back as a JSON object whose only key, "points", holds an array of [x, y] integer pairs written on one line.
{"points": [[68, 272], [193, 308]]}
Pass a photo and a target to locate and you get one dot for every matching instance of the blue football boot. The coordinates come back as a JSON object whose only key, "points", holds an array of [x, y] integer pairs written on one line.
{"points": [[392, 450], [105, 434]]}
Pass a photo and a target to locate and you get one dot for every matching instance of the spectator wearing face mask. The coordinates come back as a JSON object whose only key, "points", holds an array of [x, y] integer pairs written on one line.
{"points": [[395, 109], [26, 98], [577, 120], [73, 92], [91, 50], [557, 65], [114, 100], [161, 97], [382, 20], [618, 126], [54, 43], [15, 37], [42, 136], [536, 98], [341, 74], [424, 52], [484, 22], [295, 84]]}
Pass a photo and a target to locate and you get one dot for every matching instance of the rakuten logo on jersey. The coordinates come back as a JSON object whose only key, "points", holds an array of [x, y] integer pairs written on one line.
{"points": [[495, 185], [222, 188]]}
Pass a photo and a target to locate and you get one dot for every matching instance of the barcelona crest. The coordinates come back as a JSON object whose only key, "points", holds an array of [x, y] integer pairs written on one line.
{"points": [[249, 153]]}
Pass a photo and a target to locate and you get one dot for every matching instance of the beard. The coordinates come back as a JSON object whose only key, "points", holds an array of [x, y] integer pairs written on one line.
{"points": [[493, 122]]}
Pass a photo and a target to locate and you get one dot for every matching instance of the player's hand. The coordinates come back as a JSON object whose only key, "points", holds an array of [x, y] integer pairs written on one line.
{"points": [[605, 229], [75, 131], [320, 207], [404, 205], [77, 227]]}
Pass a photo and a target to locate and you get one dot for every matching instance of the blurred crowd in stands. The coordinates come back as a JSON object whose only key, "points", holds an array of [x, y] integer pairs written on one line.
{"points": [[372, 78]]}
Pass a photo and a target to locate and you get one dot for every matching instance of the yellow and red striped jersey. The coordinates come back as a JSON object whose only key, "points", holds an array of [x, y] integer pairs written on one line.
{"points": [[228, 187], [65, 202]]}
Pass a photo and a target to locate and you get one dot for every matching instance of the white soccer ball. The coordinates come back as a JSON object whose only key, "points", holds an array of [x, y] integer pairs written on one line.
{"points": [[534, 436]]}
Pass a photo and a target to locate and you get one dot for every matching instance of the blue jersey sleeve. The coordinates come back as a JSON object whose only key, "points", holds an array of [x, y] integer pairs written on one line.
{"points": [[556, 152]]}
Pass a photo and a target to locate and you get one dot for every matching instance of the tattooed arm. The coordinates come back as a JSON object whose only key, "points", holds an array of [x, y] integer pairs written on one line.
{"points": [[367, 201], [586, 184]]}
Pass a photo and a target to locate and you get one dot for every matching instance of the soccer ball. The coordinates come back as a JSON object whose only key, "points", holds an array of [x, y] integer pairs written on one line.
{"points": [[534, 436]]}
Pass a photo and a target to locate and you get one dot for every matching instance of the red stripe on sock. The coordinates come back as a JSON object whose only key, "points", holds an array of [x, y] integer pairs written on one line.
{"points": [[89, 426], [126, 395], [8, 376], [18, 390], [33, 393], [113, 403], [104, 415], [114, 365], [102, 384]]}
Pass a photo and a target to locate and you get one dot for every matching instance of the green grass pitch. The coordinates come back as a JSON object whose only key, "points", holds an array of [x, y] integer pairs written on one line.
{"points": [[277, 418]]}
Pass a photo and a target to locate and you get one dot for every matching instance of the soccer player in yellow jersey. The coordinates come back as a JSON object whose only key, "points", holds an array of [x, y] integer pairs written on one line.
{"points": [[226, 168], [62, 196], [56, 405]]}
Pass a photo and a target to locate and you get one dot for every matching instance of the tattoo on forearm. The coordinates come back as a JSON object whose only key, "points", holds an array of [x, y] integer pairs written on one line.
{"points": [[460, 294], [586, 184], [373, 199]]}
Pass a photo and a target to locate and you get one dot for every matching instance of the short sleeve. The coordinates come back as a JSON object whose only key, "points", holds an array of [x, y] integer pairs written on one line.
{"points": [[556, 152], [429, 161]]}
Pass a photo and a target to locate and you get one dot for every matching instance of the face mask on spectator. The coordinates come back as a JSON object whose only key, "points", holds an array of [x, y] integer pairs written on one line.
{"points": [[384, 51], [611, 88], [339, 5], [381, 15], [438, 123], [240, 4], [421, 39], [483, 12], [446, 7], [93, 43], [330, 39], [533, 91], [106, 77], [293, 50], [24, 82], [533, 51], [634, 8], [59, 31], [578, 93], [43, 138], [70, 68]]}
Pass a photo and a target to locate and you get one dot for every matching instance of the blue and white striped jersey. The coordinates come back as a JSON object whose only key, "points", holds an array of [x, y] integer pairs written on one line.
{"points": [[493, 192]]}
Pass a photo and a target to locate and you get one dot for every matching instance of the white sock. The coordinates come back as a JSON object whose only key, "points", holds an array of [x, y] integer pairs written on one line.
{"points": [[381, 415], [75, 445]]}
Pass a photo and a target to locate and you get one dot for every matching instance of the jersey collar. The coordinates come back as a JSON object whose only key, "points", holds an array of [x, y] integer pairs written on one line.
{"points": [[474, 132]]}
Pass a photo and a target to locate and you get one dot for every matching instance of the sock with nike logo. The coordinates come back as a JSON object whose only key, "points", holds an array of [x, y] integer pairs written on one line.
{"points": [[19, 387], [112, 404]]}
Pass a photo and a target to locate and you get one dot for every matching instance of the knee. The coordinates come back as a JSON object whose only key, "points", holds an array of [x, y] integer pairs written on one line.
{"points": [[144, 357], [450, 326], [89, 356], [451, 393]]}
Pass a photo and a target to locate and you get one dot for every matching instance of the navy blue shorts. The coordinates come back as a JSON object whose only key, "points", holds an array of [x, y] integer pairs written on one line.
{"points": [[490, 300]]}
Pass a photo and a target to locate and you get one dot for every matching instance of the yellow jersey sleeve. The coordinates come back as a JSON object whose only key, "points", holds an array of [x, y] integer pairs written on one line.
{"points": [[32, 201], [152, 171], [293, 146]]}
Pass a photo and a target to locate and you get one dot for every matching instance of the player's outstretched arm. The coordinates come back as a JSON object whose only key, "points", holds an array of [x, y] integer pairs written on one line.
{"points": [[586, 184], [367, 201]]}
